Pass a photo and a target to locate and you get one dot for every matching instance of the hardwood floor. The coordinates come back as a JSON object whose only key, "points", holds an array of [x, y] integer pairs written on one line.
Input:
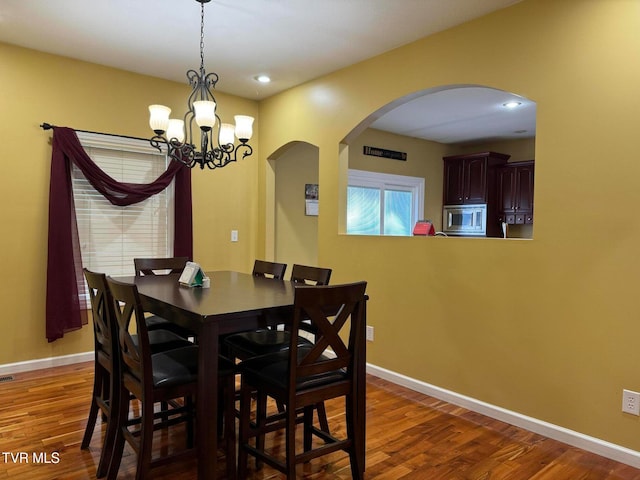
{"points": [[409, 436]]}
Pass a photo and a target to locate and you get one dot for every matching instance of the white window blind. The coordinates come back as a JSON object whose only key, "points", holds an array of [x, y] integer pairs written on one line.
{"points": [[112, 236]]}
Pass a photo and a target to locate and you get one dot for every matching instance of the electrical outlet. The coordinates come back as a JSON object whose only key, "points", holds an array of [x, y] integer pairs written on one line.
{"points": [[369, 333], [631, 402]]}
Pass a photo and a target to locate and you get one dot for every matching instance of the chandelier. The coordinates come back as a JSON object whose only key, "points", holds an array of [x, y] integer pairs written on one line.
{"points": [[217, 147]]}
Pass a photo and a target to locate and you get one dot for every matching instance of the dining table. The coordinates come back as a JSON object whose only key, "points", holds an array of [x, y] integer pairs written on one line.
{"points": [[234, 302]]}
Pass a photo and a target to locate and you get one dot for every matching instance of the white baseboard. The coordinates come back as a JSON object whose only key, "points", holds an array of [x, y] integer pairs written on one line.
{"points": [[40, 363], [570, 437]]}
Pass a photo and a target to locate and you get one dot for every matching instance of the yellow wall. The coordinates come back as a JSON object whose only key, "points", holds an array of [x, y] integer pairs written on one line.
{"points": [[546, 327], [38, 88]]}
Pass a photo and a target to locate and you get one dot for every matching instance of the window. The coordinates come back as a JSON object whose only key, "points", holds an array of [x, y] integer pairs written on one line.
{"points": [[383, 204], [112, 236]]}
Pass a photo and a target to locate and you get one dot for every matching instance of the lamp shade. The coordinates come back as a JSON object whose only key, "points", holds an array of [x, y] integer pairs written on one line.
{"points": [[244, 127], [226, 134], [176, 130], [159, 118], [205, 113]]}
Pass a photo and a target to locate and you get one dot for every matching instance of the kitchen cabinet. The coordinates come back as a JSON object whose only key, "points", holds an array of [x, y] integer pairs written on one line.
{"points": [[515, 193], [470, 179]]}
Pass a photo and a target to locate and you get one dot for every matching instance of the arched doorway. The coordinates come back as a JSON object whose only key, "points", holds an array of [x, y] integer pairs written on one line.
{"points": [[294, 167]]}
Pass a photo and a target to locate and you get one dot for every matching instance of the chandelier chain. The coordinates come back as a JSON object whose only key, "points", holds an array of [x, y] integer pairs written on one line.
{"points": [[202, 37]]}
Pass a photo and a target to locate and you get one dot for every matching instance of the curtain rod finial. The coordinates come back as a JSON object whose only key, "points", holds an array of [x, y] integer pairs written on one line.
{"points": [[46, 126]]}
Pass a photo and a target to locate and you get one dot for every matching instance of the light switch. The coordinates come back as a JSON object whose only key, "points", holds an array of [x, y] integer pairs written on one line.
{"points": [[234, 235]]}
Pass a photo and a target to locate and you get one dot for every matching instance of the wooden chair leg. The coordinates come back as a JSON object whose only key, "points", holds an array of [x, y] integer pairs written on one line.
{"points": [[112, 429], [93, 417], [245, 418], [261, 419], [355, 458], [120, 417], [188, 401], [146, 438], [322, 417], [230, 426], [108, 446], [290, 444], [308, 424], [164, 406]]}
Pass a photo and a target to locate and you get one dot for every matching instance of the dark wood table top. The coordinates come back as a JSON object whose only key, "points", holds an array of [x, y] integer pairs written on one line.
{"points": [[231, 296]]}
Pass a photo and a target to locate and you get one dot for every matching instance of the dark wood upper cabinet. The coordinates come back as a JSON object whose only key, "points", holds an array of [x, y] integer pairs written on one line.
{"points": [[453, 183], [515, 192], [470, 179]]}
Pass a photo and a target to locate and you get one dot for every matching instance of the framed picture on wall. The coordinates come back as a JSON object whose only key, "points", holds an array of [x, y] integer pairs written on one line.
{"points": [[311, 199]]}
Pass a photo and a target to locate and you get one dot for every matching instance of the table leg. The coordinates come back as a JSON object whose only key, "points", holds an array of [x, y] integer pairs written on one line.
{"points": [[207, 402]]}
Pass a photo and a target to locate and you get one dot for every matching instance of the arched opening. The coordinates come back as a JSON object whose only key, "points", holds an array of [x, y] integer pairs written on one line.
{"points": [[292, 219], [409, 138]]}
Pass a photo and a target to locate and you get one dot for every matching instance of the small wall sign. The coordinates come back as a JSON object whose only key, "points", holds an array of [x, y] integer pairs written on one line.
{"points": [[383, 152], [311, 199]]}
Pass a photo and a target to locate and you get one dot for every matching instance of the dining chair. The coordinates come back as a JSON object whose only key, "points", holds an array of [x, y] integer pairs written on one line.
{"points": [[168, 377], [246, 345], [310, 275], [300, 377], [162, 266], [107, 367], [262, 268], [268, 340]]}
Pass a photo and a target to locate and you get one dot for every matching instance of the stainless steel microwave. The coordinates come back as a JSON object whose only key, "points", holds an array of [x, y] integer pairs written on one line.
{"points": [[464, 220]]}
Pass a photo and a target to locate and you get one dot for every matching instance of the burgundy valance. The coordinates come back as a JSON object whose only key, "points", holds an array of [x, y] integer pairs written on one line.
{"points": [[64, 262]]}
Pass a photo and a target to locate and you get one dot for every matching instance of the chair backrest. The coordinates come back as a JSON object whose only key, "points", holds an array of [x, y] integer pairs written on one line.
{"points": [[152, 266], [262, 268], [332, 310], [310, 275], [105, 330], [135, 356]]}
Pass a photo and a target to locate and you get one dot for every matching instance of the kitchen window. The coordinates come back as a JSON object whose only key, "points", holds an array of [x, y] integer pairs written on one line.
{"points": [[112, 236], [383, 204]]}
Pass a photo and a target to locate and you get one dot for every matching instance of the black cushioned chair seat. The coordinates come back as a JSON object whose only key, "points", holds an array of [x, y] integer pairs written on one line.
{"points": [[261, 342], [155, 322], [161, 340], [180, 365], [274, 369]]}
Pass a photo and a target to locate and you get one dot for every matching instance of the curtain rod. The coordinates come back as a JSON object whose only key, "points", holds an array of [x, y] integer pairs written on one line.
{"points": [[48, 126]]}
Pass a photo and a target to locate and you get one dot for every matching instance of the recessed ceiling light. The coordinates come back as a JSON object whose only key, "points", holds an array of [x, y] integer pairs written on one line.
{"points": [[262, 78], [512, 104]]}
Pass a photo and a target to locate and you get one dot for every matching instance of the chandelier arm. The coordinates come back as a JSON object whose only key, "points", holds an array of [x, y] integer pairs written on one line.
{"points": [[183, 153], [210, 81], [157, 141], [248, 150], [227, 148]]}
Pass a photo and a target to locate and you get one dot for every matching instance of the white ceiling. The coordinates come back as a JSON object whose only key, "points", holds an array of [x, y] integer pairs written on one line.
{"points": [[293, 41], [464, 114]]}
